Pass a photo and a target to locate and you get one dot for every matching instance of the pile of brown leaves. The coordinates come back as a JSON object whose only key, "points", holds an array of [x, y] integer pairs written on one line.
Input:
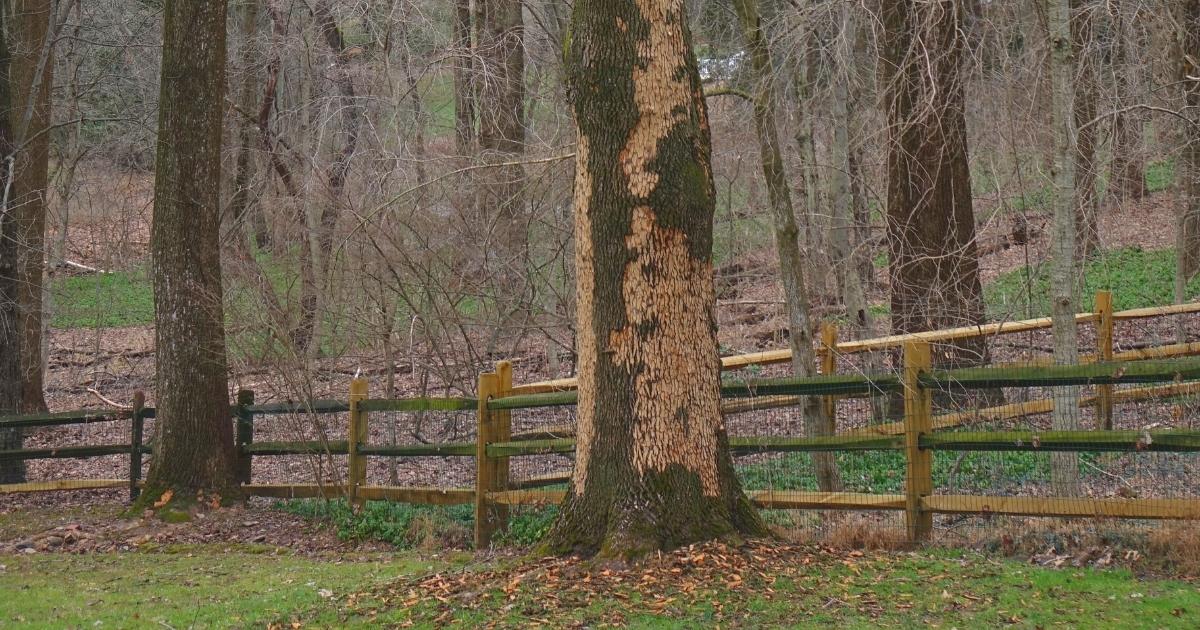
{"points": [[541, 592]]}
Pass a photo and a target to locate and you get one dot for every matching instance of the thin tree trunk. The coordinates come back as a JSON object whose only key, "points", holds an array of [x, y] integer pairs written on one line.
{"points": [[501, 196], [791, 262], [464, 102], [194, 442], [11, 471], [1127, 182], [247, 211], [1087, 228], [319, 263], [1064, 466], [1187, 235], [653, 469], [32, 78]]}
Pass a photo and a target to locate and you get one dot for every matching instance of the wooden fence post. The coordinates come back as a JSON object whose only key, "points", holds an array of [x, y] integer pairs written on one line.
{"points": [[135, 444], [918, 419], [501, 432], [245, 434], [489, 386], [828, 350], [1104, 352], [357, 435]]}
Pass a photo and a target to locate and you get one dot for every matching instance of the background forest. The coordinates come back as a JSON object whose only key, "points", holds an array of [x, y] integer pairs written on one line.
{"points": [[397, 180]]}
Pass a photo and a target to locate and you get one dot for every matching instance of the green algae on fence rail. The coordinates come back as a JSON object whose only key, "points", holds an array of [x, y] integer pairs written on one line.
{"points": [[1103, 373], [332, 447], [1160, 441], [69, 452], [459, 449], [299, 406], [418, 404], [82, 416]]}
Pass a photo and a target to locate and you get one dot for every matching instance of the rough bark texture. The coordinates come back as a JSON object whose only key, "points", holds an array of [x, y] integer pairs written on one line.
{"points": [[1188, 234], [32, 78], [194, 442], [787, 234], [1064, 466], [653, 469], [1087, 240], [933, 268], [11, 471]]}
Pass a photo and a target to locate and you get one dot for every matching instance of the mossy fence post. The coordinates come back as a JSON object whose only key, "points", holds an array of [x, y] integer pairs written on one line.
{"points": [[244, 434], [1104, 352], [918, 419], [489, 386], [356, 437], [136, 430]]}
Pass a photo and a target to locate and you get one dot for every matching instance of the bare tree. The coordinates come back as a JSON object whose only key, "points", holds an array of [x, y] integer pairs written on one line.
{"points": [[933, 266], [1187, 240], [32, 78], [11, 471], [787, 234], [194, 442], [1065, 467]]}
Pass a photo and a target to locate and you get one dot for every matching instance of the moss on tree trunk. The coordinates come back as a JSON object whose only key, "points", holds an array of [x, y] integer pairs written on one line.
{"points": [[653, 469]]}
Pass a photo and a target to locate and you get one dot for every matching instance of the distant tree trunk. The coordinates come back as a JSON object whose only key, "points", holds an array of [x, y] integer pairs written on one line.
{"points": [[247, 212], [11, 471], [502, 128], [1187, 236], [319, 262], [1127, 181], [806, 149], [194, 442], [933, 266], [653, 469], [1087, 227], [791, 262], [32, 78], [464, 102], [1064, 466]]}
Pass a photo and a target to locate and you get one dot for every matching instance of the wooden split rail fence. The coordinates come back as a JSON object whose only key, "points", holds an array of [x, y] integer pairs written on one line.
{"points": [[1166, 370]]}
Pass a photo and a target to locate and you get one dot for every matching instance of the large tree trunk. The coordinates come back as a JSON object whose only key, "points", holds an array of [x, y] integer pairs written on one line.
{"points": [[1188, 234], [933, 267], [11, 470], [653, 469], [31, 72], [1064, 466], [194, 442], [1087, 228], [787, 234]]}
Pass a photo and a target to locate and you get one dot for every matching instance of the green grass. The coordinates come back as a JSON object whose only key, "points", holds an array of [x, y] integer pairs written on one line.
{"points": [[220, 586], [407, 526], [1136, 277], [121, 298], [189, 587], [883, 471]]}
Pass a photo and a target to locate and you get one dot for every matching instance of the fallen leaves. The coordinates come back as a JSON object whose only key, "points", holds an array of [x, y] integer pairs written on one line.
{"points": [[164, 499]]}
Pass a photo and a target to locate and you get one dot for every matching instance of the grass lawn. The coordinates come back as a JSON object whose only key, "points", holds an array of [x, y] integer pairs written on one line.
{"points": [[187, 587], [220, 587], [213, 586]]}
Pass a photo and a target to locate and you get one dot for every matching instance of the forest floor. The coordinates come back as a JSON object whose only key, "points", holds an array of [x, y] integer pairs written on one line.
{"points": [[754, 585]]}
